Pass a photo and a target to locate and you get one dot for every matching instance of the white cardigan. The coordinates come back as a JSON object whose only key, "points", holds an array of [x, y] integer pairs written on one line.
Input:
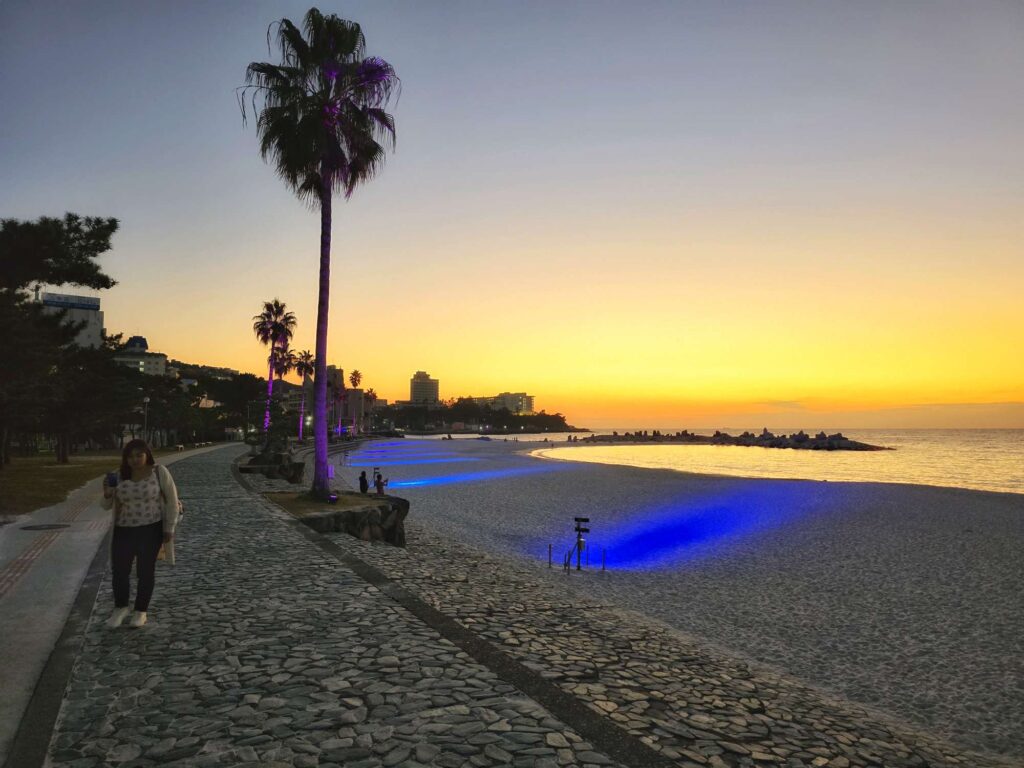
{"points": [[169, 494]]}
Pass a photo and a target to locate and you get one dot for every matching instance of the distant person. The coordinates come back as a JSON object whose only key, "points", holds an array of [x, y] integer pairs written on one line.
{"points": [[145, 503], [364, 484], [378, 483]]}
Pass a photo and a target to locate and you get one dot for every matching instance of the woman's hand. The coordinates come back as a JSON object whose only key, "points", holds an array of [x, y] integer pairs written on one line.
{"points": [[168, 536]]}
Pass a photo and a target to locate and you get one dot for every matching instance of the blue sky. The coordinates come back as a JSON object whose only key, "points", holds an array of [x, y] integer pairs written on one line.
{"points": [[579, 188]]}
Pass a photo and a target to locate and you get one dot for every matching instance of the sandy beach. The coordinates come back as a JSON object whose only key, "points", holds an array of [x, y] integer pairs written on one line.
{"points": [[903, 598]]}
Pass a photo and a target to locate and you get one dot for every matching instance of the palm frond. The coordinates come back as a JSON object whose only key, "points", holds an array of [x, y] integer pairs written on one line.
{"points": [[274, 324], [320, 110], [383, 121], [294, 49]]}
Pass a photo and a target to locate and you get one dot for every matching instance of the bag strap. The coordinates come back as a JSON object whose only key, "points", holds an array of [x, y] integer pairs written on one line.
{"points": [[162, 494]]}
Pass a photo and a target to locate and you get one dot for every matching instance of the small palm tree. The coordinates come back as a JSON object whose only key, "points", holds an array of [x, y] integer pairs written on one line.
{"points": [[321, 121], [370, 397], [284, 361], [354, 378], [273, 326], [304, 367]]}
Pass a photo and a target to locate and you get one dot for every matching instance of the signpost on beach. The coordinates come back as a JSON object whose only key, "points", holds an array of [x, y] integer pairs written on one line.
{"points": [[580, 541], [577, 547]]}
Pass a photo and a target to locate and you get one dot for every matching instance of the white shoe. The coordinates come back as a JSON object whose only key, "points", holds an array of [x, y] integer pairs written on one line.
{"points": [[138, 619], [118, 616]]}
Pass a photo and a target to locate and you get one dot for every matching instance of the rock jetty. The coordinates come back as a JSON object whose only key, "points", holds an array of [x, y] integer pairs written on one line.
{"points": [[798, 440]]}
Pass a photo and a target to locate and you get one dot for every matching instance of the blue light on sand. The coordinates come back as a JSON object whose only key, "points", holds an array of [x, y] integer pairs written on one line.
{"points": [[416, 449], [683, 531], [400, 462], [469, 477]]}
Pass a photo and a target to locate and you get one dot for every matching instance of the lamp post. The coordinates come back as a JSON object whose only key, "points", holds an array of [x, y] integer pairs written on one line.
{"points": [[145, 418]]}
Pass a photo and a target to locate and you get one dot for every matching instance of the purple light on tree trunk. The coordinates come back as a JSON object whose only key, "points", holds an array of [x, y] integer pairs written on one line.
{"points": [[270, 391]]}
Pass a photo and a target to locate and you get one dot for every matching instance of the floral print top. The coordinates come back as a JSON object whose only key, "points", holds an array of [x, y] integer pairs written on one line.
{"points": [[138, 502]]}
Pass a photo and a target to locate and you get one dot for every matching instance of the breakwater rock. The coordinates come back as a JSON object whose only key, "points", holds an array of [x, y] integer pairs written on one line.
{"points": [[798, 440]]}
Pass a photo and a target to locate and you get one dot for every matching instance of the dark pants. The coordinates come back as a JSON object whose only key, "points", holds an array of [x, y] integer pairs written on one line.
{"points": [[141, 544]]}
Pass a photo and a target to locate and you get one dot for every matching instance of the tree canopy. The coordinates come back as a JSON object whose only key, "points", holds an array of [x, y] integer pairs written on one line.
{"points": [[54, 251]]}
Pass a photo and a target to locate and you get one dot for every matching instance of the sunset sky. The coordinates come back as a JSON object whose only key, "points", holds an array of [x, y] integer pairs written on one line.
{"points": [[645, 214]]}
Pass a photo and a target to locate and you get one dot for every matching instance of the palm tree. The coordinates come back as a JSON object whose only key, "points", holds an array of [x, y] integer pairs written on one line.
{"points": [[284, 361], [304, 366], [354, 378], [321, 122], [273, 326], [370, 397]]}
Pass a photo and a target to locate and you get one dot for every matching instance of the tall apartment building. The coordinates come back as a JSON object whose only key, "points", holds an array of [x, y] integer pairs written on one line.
{"points": [[423, 390], [79, 309]]}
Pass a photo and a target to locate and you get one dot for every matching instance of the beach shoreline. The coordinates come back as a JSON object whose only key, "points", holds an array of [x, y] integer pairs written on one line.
{"points": [[890, 467], [901, 597]]}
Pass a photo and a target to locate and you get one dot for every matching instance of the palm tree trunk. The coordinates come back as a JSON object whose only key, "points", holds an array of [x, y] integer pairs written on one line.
{"points": [[270, 389], [302, 414], [321, 483]]}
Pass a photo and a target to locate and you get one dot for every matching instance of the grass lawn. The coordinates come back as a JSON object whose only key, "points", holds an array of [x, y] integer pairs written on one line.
{"points": [[26, 484]]}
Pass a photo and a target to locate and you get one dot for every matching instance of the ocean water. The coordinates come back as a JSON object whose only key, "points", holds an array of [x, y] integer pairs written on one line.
{"points": [[981, 459]]}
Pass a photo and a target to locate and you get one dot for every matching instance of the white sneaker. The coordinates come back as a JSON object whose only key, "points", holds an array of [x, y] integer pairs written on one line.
{"points": [[118, 616], [138, 619]]}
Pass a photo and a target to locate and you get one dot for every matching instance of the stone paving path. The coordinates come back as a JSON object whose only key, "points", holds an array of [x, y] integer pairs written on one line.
{"points": [[265, 649], [692, 704]]}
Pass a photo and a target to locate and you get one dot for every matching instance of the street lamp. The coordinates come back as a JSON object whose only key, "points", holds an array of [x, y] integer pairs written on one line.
{"points": [[145, 418]]}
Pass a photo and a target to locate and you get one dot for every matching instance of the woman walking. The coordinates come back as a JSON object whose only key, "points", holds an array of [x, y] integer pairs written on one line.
{"points": [[145, 503]]}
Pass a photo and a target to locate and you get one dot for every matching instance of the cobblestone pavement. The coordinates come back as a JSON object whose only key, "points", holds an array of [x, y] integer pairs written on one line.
{"points": [[264, 650], [691, 703]]}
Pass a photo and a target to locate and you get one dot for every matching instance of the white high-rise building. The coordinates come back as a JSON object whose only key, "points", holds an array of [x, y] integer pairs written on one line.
{"points": [[516, 402], [79, 309]]}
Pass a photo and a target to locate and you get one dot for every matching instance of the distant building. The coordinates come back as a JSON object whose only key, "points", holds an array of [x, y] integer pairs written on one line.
{"points": [[190, 370], [423, 390], [79, 309], [355, 409], [335, 383], [136, 355], [516, 402], [346, 407]]}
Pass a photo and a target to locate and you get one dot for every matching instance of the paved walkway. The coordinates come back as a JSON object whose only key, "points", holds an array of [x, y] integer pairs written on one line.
{"points": [[271, 645], [41, 572], [263, 649]]}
